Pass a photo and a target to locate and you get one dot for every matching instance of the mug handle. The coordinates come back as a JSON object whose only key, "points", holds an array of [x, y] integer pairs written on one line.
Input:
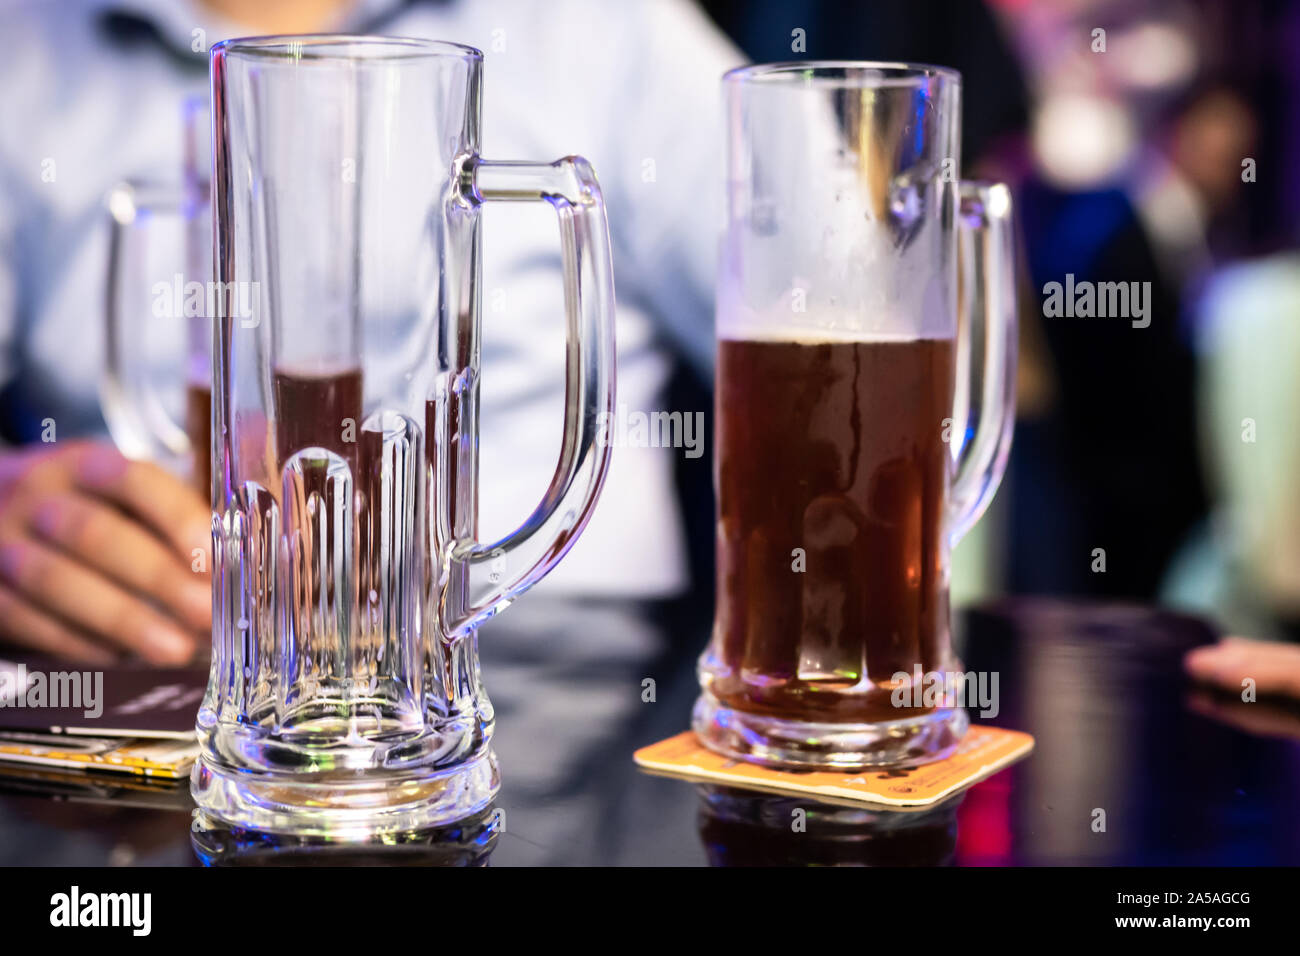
{"points": [[985, 396], [482, 579], [135, 414]]}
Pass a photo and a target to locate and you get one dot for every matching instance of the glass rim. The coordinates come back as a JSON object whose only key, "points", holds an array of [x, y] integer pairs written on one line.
{"points": [[846, 74], [323, 47]]}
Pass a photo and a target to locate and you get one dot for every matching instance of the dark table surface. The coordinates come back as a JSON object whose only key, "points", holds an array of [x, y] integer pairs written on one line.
{"points": [[1183, 777]]}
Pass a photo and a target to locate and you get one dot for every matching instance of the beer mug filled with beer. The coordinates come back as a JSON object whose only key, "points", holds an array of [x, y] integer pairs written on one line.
{"points": [[866, 363]]}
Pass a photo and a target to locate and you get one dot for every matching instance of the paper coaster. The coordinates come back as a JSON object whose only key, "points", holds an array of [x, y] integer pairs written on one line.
{"points": [[983, 752]]}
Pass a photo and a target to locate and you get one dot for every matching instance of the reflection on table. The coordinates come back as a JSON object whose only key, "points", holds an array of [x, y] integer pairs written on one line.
{"points": [[742, 828], [1184, 777], [467, 842]]}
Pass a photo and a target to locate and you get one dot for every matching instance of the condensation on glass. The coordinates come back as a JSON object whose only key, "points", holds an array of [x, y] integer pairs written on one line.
{"points": [[866, 363]]}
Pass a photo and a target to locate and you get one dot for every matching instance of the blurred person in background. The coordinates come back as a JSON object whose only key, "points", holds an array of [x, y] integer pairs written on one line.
{"points": [[1176, 453], [1243, 567], [95, 552], [1115, 470]]}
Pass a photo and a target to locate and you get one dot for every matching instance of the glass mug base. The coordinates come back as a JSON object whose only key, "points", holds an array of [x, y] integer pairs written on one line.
{"points": [[468, 841], [797, 744], [369, 805]]}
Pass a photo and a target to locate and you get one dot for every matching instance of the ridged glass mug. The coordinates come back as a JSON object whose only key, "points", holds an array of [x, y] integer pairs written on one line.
{"points": [[348, 581], [866, 364]]}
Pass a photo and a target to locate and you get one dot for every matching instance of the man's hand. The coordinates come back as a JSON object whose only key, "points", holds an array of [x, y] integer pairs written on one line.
{"points": [[1274, 667], [101, 556]]}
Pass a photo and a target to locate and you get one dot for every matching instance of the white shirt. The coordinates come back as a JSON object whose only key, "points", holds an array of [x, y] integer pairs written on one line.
{"points": [[633, 86]]}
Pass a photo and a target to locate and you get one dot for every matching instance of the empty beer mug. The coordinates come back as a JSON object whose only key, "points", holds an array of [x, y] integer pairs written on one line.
{"points": [[866, 364], [348, 581]]}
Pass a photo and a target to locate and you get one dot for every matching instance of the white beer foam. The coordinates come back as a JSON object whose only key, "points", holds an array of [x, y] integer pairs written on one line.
{"points": [[826, 337], [821, 328]]}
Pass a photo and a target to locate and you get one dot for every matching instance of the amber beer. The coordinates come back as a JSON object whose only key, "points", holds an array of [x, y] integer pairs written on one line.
{"points": [[314, 407], [832, 476], [198, 426]]}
